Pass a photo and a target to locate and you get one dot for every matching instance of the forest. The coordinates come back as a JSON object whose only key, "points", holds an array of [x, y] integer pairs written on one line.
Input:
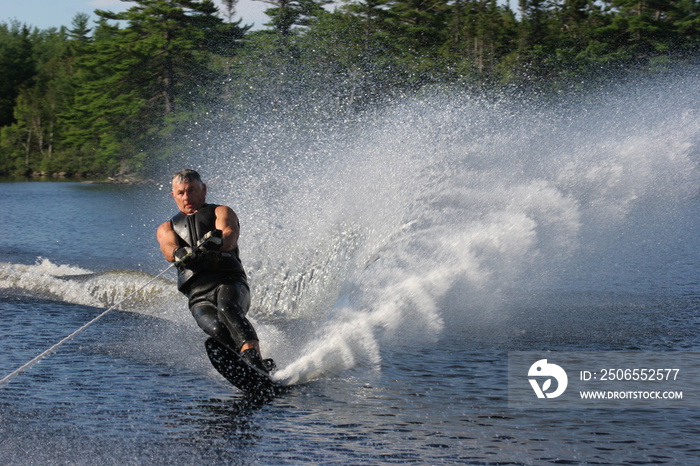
{"points": [[117, 97]]}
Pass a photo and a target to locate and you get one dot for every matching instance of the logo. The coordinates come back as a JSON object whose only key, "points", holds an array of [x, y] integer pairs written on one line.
{"points": [[551, 371]]}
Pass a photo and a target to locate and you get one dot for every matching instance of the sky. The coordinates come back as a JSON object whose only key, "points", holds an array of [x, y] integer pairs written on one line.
{"points": [[44, 14]]}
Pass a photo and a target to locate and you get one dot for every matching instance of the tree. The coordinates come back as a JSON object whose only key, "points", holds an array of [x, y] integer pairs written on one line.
{"points": [[80, 33], [482, 32], [230, 6], [142, 82], [640, 32], [163, 52], [285, 14], [422, 22], [17, 66], [350, 58], [533, 24], [32, 137]]}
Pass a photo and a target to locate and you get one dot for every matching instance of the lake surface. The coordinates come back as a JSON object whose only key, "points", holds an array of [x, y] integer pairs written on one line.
{"points": [[388, 286]]}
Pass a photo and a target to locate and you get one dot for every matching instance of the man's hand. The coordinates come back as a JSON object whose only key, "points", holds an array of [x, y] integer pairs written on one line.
{"points": [[212, 241], [184, 255]]}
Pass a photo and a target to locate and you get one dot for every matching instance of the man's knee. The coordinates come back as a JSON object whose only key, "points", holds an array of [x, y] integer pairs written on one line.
{"points": [[234, 298], [206, 317], [219, 331]]}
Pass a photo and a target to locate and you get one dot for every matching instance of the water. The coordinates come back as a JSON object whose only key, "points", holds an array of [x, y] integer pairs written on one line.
{"points": [[395, 260]]}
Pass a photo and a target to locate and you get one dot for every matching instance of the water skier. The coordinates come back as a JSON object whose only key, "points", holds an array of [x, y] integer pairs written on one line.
{"points": [[211, 275]]}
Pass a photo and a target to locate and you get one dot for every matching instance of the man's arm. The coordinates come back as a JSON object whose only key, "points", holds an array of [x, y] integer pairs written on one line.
{"points": [[168, 240], [227, 222]]}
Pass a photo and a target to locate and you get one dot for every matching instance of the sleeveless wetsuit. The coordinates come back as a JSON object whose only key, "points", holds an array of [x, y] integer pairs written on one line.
{"points": [[190, 229], [215, 282]]}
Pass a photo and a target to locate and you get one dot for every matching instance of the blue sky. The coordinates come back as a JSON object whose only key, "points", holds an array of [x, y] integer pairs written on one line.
{"points": [[56, 13]]}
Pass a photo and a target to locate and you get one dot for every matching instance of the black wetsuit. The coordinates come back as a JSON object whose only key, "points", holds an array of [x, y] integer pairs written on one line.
{"points": [[215, 282]]}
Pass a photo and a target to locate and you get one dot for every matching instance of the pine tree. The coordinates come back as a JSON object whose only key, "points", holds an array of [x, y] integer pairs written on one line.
{"points": [[17, 66], [421, 23], [163, 51], [142, 81], [285, 14]]}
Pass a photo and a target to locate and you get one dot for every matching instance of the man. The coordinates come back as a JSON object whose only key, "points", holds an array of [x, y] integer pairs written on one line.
{"points": [[203, 241]]}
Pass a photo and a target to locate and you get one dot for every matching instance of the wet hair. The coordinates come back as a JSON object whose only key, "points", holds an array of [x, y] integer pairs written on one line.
{"points": [[187, 176]]}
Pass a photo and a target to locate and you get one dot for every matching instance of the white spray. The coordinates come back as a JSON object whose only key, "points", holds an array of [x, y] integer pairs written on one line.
{"points": [[374, 231]]}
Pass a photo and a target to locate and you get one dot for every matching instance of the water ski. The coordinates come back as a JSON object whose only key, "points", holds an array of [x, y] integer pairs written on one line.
{"points": [[237, 371]]}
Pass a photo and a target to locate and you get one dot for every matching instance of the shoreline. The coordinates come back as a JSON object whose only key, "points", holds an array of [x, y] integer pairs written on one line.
{"points": [[62, 178]]}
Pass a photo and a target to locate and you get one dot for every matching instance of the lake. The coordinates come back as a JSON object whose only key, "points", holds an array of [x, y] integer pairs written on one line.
{"points": [[389, 286]]}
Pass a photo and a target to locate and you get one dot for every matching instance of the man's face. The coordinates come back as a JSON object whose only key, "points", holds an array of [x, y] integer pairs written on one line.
{"points": [[189, 196]]}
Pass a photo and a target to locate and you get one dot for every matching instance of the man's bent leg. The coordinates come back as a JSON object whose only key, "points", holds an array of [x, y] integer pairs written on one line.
{"points": [[205, 314], [233, 302]]}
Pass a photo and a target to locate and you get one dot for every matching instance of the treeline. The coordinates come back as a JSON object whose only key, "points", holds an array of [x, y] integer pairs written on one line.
{"points": [[114, 97]]}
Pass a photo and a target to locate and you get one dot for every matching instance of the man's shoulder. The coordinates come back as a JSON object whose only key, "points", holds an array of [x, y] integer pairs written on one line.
{"points": [[212, 208], [165, 226], [221, 209]]}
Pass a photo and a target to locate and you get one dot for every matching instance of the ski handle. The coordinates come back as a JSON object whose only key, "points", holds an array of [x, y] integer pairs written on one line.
{"points": [[214, 237]]}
